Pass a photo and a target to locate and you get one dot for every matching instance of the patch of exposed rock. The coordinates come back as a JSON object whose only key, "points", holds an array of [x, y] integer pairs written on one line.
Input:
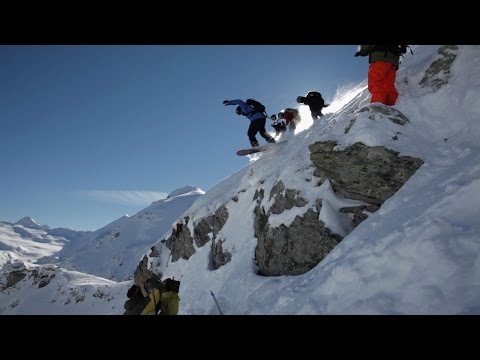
{"points": [[360, 172], [439, 72]]}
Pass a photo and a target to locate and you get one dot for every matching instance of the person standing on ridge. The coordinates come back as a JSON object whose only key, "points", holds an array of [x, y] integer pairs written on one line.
{"points": [[315, 102], [384, 61], [255, 112]]}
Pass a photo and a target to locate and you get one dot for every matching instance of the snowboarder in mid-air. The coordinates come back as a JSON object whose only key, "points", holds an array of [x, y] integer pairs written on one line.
{"points": [[255, 112]]}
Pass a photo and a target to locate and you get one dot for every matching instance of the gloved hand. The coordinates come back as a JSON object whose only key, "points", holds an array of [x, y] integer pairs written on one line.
{"points": [[357, 54], [226, 102]]}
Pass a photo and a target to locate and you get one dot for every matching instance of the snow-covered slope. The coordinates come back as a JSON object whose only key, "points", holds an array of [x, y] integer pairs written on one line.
{"points": [[28, 241], [49, 290], [418, 254], [113, 251]]}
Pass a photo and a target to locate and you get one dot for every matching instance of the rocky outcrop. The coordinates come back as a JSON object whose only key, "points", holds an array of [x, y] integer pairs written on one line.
{"points": [[295, 249], [142, 274], [42, 276], [180, 243], [360, 172], [378, 112], [220, 256], [285, 201], [13, 278], [359, 213], [438, 73], [210, 225]]}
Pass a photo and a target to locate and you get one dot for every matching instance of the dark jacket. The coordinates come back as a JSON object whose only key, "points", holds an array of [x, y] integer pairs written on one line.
{"points": [[314, 100], [379, 53], [136, 302]]}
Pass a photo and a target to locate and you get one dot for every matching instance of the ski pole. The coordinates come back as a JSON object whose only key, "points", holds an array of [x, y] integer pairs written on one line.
{"points": [[216, 302]]}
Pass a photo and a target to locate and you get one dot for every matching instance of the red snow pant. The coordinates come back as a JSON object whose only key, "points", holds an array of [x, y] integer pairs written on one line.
{"points": [[381, 82]]}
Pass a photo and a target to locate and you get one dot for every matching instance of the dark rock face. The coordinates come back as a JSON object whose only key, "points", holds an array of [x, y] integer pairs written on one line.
{"points": [[180, 242], [292, 250], [358, 212], [285, 201], [220, 257], [438, 73], [360, 172], [210, 225], [14, 277]]}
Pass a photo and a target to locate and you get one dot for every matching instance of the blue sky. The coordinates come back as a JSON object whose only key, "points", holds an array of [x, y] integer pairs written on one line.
{"points": [[90, 133]]}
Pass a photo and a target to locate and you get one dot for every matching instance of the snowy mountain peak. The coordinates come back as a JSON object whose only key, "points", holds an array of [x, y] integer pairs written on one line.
{"points": [[185, 190], [30, 223]]}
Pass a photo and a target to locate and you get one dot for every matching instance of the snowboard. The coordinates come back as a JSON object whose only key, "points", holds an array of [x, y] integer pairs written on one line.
{"points": [[249, 151], [243, 152]]}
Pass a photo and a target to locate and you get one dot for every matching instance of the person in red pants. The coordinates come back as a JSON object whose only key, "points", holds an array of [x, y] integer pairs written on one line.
{"points": [[384, 61]]}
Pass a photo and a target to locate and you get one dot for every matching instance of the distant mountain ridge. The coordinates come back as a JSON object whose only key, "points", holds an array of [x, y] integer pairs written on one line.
{"points": [[41, 262], [30, 223], [114, 250]]}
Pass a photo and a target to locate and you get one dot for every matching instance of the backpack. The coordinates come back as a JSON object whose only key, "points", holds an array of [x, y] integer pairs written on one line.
{"points": [[314, 100], [136, 302], [257, 106], [172, 285], [134, 289], [314, 94]]}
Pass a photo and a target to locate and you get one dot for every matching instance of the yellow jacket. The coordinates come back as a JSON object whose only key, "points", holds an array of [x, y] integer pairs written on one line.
{"points": [[154, 298], [169, 303]]}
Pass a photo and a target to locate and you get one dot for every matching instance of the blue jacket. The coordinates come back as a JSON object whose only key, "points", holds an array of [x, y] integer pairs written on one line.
{"points": [[247, 109]]}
